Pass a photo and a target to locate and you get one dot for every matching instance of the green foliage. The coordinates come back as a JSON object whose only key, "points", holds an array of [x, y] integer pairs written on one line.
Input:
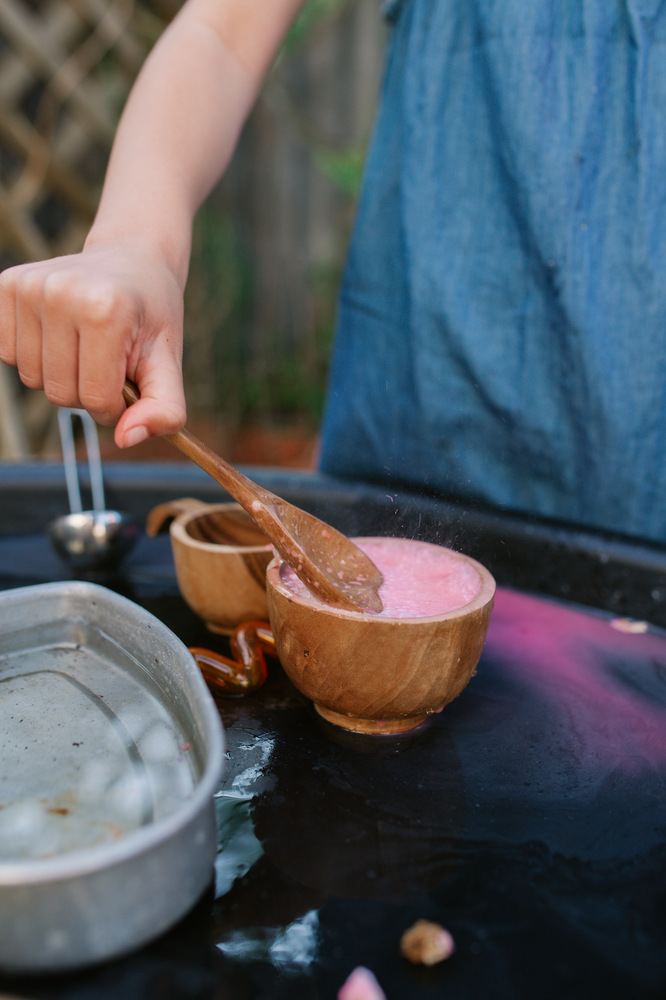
{"points": [[218, 299], [343, 169], [287, 385], [245, 371], [290, 389], [311, 17]]}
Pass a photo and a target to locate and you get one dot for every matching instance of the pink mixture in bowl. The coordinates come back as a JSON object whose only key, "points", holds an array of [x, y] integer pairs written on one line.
{"points": [[420, 580]]}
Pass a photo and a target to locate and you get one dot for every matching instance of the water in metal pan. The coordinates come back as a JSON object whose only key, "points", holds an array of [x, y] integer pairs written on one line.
{"points": [[89, 752]]}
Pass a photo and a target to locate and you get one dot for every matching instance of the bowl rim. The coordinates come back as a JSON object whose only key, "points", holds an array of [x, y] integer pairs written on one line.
{"points": [[482, 599], [178, 530]]}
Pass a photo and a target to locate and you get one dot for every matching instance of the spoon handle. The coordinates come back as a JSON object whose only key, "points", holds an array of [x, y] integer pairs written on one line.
{"points": [[332, 568], [234, 482]]}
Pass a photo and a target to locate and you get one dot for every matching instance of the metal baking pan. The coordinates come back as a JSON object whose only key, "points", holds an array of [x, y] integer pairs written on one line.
{"points": [[110, 751]]}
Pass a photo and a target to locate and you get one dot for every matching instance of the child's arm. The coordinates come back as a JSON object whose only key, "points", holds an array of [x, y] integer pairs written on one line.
{"points": [[77, 325]]}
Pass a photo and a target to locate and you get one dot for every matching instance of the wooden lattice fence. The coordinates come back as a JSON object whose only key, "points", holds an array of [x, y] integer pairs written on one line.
{"points": [[66, 67]]}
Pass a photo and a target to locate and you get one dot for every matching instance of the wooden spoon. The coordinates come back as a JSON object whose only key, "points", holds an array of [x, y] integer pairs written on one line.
{"points": [[332, 568]]}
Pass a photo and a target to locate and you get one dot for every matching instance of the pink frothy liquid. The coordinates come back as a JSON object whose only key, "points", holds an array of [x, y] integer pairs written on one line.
{"points": [[419, 579]]}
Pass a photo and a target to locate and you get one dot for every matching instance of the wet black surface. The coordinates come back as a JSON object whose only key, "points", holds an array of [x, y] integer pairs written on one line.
{"points": [[529, 818]]}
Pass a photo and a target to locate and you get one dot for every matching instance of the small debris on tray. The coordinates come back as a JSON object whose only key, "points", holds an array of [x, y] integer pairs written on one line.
{"points": [[629, 625], [361, 985], [426, 943]]}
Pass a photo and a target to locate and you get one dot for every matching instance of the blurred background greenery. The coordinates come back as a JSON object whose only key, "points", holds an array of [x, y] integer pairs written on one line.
{"points": [[269, 243]]}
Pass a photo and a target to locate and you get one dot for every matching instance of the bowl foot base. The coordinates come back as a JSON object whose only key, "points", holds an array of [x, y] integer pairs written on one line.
{"points": [[370, 725]]}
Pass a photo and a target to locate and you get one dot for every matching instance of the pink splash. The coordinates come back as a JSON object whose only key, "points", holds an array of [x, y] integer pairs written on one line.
{"points": [[565, 656], [419, 579], [361, 985]]}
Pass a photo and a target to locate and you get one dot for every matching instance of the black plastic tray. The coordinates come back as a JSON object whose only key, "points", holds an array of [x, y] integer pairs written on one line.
{"points": [[529, 817]]}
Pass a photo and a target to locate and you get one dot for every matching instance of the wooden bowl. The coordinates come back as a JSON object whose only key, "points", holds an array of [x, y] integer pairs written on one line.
{"points": [[378, 675], [221, 558]]}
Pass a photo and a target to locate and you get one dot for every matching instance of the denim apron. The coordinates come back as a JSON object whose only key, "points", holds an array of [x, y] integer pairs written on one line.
{"points": [[502, 322]]}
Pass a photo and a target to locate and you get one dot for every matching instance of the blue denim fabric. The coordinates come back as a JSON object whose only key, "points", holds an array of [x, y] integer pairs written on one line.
{"points": [[502, 322]]}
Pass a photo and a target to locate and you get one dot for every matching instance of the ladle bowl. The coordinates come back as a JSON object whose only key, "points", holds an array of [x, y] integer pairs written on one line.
{"points": [[373, 674], [93, 539], [88, 540]]}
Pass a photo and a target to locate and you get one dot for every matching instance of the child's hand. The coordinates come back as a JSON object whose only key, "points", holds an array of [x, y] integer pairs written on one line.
{"points": [[76, 326]]}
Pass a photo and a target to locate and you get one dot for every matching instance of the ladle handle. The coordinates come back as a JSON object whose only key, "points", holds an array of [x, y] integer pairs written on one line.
{"points": [[234, 482], [65, 415]]}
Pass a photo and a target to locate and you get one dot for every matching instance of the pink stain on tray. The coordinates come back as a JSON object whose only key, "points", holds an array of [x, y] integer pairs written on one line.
{"points": [[615, 716], [419, 579]]}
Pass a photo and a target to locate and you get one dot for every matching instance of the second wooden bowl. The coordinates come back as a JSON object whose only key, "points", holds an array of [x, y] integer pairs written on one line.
{"points": [[373, 674], [221, 558]]}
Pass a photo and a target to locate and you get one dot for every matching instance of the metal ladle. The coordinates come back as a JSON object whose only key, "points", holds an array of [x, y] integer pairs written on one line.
{"points": [[94, 539]]}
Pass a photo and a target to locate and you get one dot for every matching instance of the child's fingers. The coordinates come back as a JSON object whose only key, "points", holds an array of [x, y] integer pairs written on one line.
{"points": [[161, 409], [8, 316], [29, 328], [108, 319], [77, 325], [61, 295], [60, 363]]}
